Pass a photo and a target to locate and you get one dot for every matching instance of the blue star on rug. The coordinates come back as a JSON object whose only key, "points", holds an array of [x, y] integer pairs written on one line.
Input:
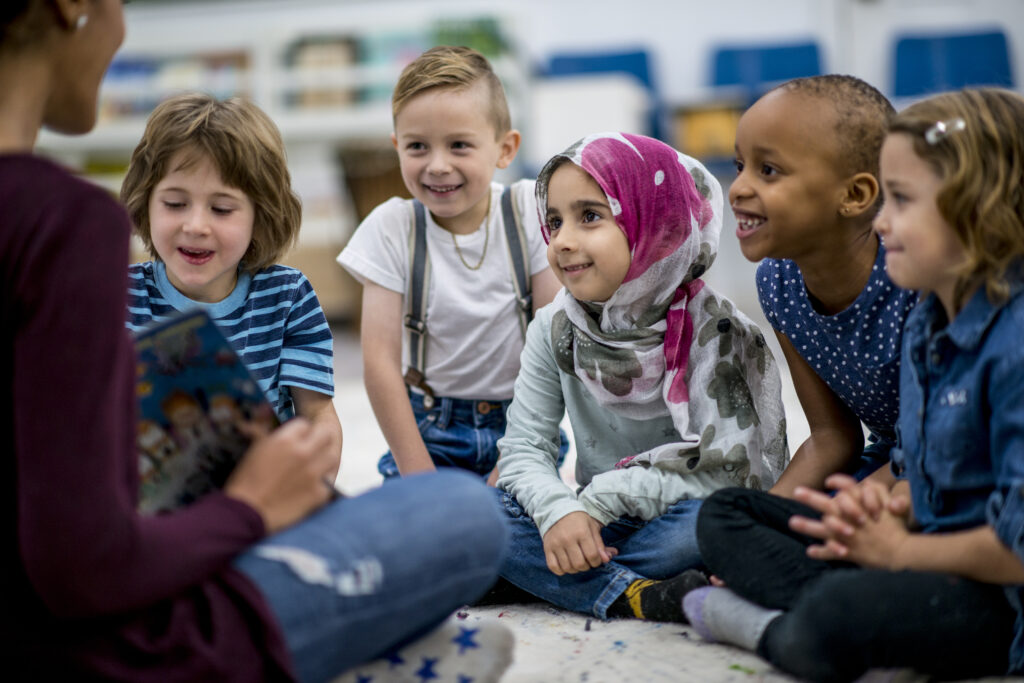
{"points": [[465, 639], [426, 672], [364, 679], [395, 659], [465, 679]]}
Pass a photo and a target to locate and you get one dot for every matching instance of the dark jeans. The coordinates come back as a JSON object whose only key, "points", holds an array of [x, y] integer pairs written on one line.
{"points": [[839, 619], [460, 433]]}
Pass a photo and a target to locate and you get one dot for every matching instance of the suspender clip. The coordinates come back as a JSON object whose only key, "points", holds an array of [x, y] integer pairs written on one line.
{"points": [[415, 378], [415, 325]]}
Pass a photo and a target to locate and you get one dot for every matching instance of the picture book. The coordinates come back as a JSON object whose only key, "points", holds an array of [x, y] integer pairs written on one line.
{"points": [[193, 392]]}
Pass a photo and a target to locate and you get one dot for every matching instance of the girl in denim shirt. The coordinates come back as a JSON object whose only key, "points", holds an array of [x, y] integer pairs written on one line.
{"points": [[927, 574]]}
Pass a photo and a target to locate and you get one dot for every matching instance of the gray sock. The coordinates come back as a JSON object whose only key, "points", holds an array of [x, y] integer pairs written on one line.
{"points": [[719, 615]]}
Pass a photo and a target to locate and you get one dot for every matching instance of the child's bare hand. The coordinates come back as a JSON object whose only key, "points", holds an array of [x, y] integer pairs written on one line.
{"points": [[862, 523], [900, 503], [901, 506], [858, 498], [283, 473], [852, 505], [573, 544], [492, 478], [876, 543]]}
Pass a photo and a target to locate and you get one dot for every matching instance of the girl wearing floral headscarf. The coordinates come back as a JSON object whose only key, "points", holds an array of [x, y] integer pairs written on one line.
{"points": [[670, 390]]}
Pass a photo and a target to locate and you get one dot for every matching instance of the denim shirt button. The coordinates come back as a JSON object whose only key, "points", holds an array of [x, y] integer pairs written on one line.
{"points": [[936, 359]]}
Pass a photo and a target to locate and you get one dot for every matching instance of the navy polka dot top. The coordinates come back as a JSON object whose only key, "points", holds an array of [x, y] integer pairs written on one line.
{"points": [[856, 351]]}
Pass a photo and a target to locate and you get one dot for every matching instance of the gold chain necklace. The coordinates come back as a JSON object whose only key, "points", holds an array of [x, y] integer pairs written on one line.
{"points": [[487, 238]]}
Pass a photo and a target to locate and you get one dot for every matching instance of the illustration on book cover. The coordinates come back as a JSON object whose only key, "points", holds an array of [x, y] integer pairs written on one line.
{"points": [[193, 393]]}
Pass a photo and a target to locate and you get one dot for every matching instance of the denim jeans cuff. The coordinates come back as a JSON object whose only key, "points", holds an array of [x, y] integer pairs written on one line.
{"points": [[616, 586]]}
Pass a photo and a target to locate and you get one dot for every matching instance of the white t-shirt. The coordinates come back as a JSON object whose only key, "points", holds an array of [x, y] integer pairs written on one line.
{"points": [[473, 334]]}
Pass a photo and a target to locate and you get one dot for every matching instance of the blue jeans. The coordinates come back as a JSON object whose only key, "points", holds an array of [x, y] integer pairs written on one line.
{"points": [[659, 549], [459, 432], [367, 574]]}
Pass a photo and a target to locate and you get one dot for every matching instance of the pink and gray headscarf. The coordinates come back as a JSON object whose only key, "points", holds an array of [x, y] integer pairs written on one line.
{"points": [[665, 342]]}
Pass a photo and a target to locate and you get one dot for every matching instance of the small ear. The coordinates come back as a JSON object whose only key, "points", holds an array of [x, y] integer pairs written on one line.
{"points": [[509, 144], [394, 141], [861, 193], [69, 12]]}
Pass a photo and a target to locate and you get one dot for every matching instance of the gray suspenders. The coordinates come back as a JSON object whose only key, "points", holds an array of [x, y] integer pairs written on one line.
{"points": [[416, 303], [419, 280]]}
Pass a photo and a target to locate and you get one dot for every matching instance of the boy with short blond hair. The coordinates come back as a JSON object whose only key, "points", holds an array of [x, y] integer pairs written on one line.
{"points": [[452, 67], [451, 277]]}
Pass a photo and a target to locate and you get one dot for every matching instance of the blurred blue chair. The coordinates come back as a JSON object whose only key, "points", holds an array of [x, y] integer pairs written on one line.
{"points": [[753, 69], [636, 63], [934, 63]]}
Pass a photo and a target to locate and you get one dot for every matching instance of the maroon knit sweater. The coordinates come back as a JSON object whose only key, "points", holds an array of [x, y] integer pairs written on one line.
{"points": [[92, 589]]}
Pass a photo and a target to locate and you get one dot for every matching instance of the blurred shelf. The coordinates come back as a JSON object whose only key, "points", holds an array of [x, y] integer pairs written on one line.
{"points": [[339, 125], [326, 82], [323, 73]]}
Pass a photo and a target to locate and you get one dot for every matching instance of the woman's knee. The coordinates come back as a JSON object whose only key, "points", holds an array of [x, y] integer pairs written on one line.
{"points": [[472, 509]]}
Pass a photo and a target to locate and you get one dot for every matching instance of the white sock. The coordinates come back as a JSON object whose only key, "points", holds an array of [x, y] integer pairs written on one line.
{"points": [[456, 651], [719, 615]]}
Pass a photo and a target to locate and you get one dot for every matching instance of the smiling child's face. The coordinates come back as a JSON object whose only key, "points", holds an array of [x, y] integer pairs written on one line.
{"points": [[200, 227], [587, 250], [922, 251], [789, 181], [448, 150]]}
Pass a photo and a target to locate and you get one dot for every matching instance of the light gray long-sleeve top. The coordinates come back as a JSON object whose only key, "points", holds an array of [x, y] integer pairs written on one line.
{"points": [[529, 449]]}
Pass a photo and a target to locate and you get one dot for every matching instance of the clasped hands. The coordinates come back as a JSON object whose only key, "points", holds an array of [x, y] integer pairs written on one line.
{"points": [[573, 544], [864, 522]]}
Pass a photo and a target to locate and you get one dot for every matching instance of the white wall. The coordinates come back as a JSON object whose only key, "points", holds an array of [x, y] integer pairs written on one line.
{"points": [[856, 36]]}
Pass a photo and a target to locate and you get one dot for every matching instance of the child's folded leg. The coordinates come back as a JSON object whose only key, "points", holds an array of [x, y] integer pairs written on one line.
{"points": [[661, 548], [719, 615], [657, 600], [504, 592], [601, 591]]}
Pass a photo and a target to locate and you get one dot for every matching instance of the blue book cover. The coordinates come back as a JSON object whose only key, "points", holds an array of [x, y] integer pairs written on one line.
{"points": [[193, 392]]}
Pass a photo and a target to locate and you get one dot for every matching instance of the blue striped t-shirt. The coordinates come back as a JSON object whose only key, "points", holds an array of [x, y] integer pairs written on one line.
{"points": [[273, 320]]}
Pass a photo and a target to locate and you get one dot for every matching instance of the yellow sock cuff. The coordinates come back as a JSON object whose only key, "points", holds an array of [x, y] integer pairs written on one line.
{"points": [[632, 594]]}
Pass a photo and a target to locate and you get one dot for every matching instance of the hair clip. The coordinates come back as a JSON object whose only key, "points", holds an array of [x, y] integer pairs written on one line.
{"points": [[942, 129]]}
